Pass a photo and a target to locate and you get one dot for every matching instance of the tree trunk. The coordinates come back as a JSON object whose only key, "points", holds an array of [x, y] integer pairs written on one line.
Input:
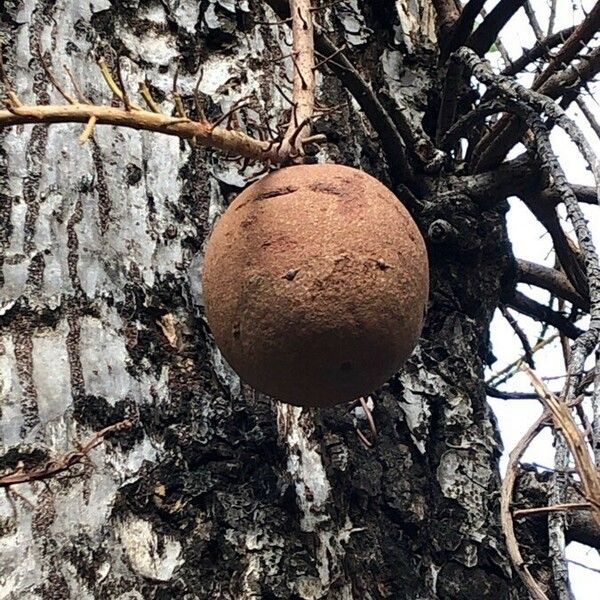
{"points": [[217, 491]]}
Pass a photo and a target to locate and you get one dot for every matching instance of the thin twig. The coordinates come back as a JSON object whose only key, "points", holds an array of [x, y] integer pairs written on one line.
{"points": [[589, 115], [147, 96], [80, 95], [564, 421], [506, 517], [507, 372], [65, 462], [116, 90], [88, 130], [205, 133], [50, 75], [527, 352], [535, 25], [539, 50], [555, 508]]}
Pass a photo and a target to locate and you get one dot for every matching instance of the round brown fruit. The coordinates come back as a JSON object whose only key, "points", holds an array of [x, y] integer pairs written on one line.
{"points": [[315, 284]]}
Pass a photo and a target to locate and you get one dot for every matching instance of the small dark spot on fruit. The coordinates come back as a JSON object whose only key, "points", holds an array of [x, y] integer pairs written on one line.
{"points": [[291, 274], [382, 264], [236, 331]]}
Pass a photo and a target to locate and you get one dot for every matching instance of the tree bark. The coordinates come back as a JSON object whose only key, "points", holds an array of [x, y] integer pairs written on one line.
{"points": [[217, 491]]}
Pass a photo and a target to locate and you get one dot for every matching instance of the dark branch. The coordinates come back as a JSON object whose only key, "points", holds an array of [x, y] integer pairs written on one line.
{"points": [[589, 115], [485, 35], [540, 50], [577, 41], [462, 28], [533, 21], [502, 395], [552, 280], [521, 177], [494, 147], [544, 314], [528, 353], [568, 257]]}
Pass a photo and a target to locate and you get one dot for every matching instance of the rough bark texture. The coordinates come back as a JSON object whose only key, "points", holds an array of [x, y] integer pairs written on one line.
{"points": [[218, 492]]}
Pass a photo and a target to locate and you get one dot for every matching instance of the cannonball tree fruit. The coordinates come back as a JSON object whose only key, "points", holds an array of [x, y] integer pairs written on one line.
{"points": [[315, 284]]}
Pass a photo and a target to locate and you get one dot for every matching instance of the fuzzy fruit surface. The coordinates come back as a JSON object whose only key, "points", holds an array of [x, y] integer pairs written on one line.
{"points": [[315, 284]]}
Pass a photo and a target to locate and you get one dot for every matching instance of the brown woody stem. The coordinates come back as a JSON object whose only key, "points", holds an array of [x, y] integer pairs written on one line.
{"points": [[303, 55], [205, 134]]}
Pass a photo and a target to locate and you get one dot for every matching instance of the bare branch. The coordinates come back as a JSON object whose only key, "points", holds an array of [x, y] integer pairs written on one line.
{"points": [[539, 50], [529, 104], [563, 418], [506, 518], [552, 280], [552, 17], [504, 395], [528, 353], [485, 35], [50, 75], [395, 134], [147, 96], [462, 28], [507, 372], [589, 115], [535, 25], [555, 508], [596, 409], [539, 312], [205, 134], [116, 90], [552, 83], [576, 42], [567, 253]]}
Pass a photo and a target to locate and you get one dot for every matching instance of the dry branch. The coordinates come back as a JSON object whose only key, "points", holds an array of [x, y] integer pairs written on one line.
{"points": [[486, 34], [203, 132], [539, 50], [395, 134], [561, 76], [552, 280], [507, 372], [303, 94], [564, 421], [528, 105], [528, 353], [555, 508], [529, 307], [506, 518], [576, 42], [566, 251], [462, 29]]}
